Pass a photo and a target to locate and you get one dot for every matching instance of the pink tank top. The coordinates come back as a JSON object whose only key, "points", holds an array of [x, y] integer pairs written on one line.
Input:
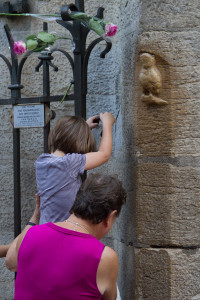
{"points": [[55, 263]]}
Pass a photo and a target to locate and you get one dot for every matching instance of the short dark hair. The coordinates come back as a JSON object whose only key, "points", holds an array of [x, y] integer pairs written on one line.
{"points": [[97, 197], [71, 134]]}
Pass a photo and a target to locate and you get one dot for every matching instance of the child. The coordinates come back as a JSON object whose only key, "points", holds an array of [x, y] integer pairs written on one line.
{"points": [[58, 173], [72, 151]]}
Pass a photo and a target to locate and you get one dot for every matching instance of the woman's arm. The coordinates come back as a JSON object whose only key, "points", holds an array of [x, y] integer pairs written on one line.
{"points": [[95, 159], [107, 274], [12, 254]]}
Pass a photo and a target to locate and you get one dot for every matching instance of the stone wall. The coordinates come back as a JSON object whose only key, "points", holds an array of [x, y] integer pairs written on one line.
{"points": [[155, 148], [167, 139]]}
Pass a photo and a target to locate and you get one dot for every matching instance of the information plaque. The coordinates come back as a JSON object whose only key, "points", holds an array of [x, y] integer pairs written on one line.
{"points": [[30, 115]]}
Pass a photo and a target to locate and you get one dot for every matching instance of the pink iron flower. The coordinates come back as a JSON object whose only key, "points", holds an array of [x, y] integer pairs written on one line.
{"points": [[110, 29], [20, 47]]}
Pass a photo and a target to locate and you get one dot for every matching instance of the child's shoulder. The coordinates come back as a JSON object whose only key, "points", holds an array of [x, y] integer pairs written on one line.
{"points": [[48, 157], [43, 157], [75, 159]]}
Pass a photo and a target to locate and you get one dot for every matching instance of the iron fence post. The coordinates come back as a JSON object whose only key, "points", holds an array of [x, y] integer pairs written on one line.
{"points": [[79, 54], [46, 92], [46, 89], [15, 88]]}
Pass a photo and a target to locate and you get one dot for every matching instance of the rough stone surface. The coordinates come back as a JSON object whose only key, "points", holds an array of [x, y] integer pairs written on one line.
{"points": [[167, 137], [167, 153], [168, 274], [168, 212]]}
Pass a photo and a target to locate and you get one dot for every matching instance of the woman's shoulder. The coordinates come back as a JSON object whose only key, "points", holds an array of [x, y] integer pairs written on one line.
{"points": [[110, 255], [109, 261]]}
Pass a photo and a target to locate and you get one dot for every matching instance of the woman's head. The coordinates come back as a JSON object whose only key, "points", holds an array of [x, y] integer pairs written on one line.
{"points": [[98, 196], [71, 134]]}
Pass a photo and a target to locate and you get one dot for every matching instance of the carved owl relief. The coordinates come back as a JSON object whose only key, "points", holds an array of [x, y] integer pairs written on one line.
{"points": [[151, 80]]}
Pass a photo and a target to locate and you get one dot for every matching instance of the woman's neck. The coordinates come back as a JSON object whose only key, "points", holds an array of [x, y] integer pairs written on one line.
{"points": [[58, 153], [80, 225]]}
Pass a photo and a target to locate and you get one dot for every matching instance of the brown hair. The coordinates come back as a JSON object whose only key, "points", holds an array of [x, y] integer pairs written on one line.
{"points": [[97, 197], [71, 134]]}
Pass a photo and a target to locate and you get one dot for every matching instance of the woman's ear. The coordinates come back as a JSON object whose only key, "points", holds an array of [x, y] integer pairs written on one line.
{"points": [[110, 219], [113, 215]]}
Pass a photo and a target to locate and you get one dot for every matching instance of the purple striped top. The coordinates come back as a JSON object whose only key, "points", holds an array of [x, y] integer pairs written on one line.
{"points": [[58, 180]]}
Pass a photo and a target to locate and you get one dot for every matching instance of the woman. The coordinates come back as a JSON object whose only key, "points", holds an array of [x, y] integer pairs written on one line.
{"points": [[66, 260]]}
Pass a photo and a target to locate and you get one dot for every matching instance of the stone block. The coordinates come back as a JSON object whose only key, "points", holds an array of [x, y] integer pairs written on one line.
{"points": [[167, 209], [153, 204], [171, 129], [167, 274]]}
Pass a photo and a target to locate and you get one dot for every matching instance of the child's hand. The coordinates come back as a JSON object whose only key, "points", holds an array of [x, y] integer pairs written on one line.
{"points": [[90, 122], [107, 118], [36, 215]]}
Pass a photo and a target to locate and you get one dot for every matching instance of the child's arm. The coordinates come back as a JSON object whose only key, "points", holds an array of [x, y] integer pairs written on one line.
{"points": [[91, 123], [3, 250], [95, 159]]}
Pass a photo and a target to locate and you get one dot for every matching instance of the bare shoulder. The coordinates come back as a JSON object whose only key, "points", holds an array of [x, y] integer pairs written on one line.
{"points": [[109, 256], [107, 273]]}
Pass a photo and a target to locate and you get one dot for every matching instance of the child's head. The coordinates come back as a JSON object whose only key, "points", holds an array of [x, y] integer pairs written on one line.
{"points": [[71, 134]]}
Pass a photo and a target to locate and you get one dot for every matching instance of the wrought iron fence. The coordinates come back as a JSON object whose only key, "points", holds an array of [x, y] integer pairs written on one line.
{"points": [[79, 65]]}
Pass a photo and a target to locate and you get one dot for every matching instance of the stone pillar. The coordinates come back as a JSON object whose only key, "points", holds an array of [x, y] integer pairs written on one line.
{"points": [[168, 146]]}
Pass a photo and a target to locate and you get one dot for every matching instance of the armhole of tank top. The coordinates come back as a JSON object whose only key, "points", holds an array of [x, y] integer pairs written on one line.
{"points": [[96, 272]]}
